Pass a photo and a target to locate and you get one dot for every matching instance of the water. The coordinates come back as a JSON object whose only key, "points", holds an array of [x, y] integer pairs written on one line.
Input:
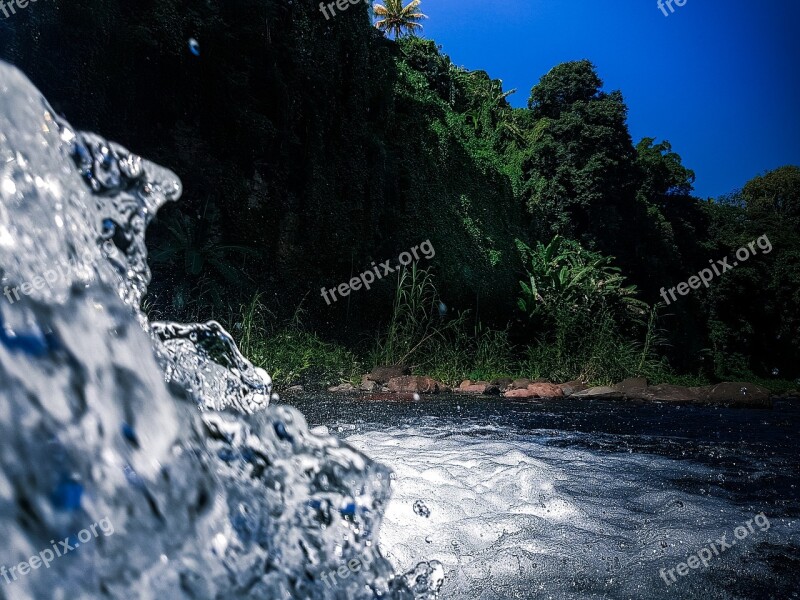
{"points": [[162, 431], [583, 499]]}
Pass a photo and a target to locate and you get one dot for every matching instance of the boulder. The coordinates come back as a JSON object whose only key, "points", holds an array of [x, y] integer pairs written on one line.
{"points": [[502, 382], [545, 390], [368, 385], [518, 393], [668, 393], [411, 384], [737, 394], [602, 391], [383, 374], [342, 388], [520, 384], [469, 387], [572, 387], [536, 390], [632, 385]]}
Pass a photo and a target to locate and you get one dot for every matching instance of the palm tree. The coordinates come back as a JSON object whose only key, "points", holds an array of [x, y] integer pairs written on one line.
{"points": [[398, 19]]}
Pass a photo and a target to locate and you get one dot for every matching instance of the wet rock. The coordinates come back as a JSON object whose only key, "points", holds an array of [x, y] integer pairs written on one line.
{"points": [[545, 390], [571, 387], [668, 393], [736, 394], [502, 382], [514, 393], [602, 391], [342, 388], [632, 385], [536, 390], [368, 385], [415, 384], [520, 384], [383, 374]]}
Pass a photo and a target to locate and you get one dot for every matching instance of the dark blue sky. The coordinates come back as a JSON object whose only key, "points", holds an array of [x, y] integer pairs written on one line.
{"points": [[720, 80]]}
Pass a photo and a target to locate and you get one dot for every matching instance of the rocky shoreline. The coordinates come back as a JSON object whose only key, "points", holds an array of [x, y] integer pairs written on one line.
{"points": [[396, 383]]}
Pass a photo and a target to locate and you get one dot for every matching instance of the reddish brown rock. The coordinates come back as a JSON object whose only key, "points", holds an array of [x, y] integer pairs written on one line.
{"points": [[469, 387], [524, 393], [536, 390], [545, 390], [414, 384]]}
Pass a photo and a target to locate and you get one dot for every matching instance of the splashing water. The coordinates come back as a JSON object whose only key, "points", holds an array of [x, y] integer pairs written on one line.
{"points": [[163, 428]]}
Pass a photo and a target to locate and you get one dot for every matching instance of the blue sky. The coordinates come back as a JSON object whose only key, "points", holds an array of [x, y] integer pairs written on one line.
{"points": [[719, 80]]}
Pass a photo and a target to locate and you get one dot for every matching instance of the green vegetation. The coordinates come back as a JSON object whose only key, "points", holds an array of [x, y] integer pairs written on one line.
{"points": [[310, 148], [293, 354]]}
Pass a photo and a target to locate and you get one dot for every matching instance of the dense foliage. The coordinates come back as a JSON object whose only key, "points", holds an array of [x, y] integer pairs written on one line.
{"points": [[311, 147]]}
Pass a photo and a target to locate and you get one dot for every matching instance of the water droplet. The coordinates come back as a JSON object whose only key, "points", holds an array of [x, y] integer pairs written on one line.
{"points": [[421, 509], [194, 46], [775, 372], [416, 397], [219, 544]]}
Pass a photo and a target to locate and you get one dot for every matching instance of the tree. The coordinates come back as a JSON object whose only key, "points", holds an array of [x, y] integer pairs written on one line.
{"points": [[663, 173], [397, 19], [777, 193], [578, 173]]}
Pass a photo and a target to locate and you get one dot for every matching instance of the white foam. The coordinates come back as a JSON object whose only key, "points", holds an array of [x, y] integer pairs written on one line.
{"points": [[521, 518]]}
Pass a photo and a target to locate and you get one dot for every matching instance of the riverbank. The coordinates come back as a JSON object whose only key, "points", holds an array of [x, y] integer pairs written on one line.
{"points": [[394, 384]]}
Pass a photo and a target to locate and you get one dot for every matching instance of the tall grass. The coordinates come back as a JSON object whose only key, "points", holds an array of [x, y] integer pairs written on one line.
{"points": [[446, 348], [290, 353], [597, 352]]}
